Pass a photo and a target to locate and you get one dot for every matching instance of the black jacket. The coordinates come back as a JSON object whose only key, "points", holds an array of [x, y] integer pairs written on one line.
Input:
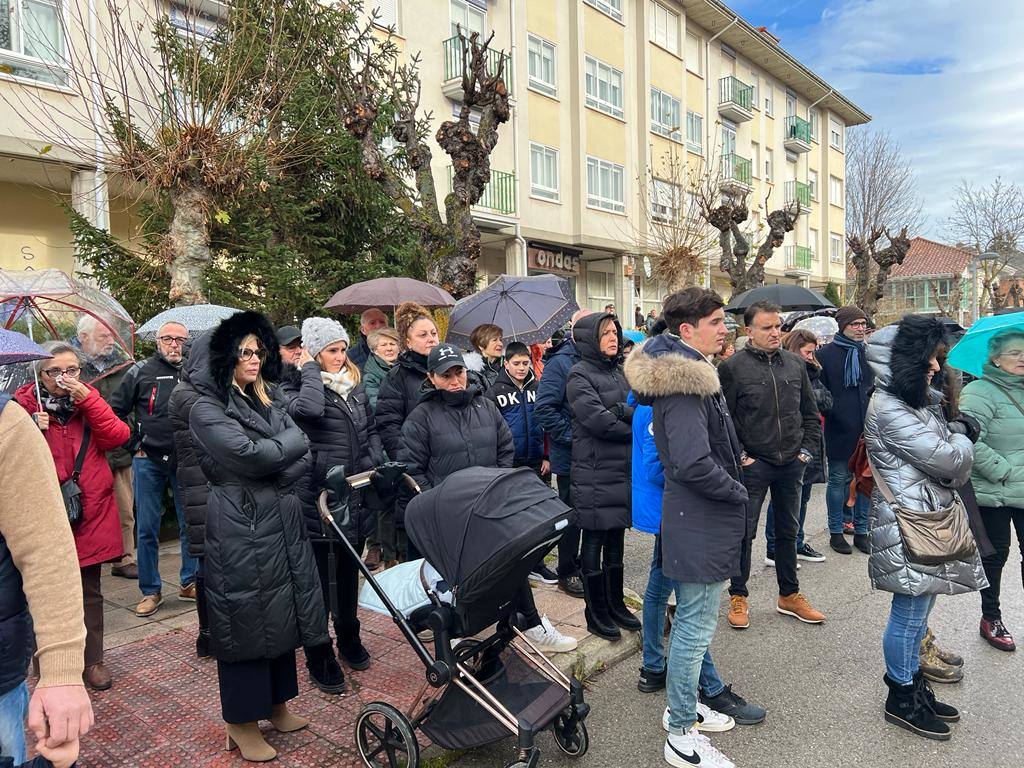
{"points": [[817, 468], [192, 484], [602, 436], [341, 433], [703, 518], [518, 408], [398, 395], [845, 422], [143, 395], [449, 431], [553, 410], [772, 404], [262, 587], [360, 352]]}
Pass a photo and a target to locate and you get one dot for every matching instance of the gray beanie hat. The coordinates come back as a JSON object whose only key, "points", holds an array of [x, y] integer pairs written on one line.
{"points": [[319, 332]]}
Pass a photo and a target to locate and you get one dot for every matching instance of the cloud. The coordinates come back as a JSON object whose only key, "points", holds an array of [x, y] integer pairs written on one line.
{"points": [[911, 67]]}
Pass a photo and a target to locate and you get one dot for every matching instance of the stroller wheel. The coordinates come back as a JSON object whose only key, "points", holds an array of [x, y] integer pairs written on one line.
{"points": [[385, 738], [574, 742]]}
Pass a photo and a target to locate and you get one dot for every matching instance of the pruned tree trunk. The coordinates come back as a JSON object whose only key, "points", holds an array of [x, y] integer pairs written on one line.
{"points": [[873, 266], [188, 245]]}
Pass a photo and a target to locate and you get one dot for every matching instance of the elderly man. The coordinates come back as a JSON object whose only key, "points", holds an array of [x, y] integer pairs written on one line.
{"points": [[146, 388], [371, 320]]}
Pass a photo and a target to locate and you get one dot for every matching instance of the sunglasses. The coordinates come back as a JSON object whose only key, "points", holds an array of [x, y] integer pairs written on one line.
{"points": [[246, 354]]}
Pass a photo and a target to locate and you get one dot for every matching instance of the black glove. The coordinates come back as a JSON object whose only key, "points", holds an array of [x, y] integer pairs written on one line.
{"points": [[627, 414], [965, 424]]}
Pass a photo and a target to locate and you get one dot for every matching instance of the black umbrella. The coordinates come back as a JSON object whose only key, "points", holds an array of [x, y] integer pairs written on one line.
{"points": [[789, 297]]}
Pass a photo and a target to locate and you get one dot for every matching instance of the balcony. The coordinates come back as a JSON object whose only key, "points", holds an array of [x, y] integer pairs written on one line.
{"points": [[499, 195], [797, 191], [798, 260], [735, 100], [798, 134], [452, 87], [736, 175]]}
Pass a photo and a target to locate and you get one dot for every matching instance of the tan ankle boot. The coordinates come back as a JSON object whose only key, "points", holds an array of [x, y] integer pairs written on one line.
{"points": [[284, 721], [250, 742]]}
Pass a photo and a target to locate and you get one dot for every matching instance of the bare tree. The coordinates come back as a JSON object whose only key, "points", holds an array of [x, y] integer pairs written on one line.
{"points": [[873, 264], [950, 306], [881, 187]]}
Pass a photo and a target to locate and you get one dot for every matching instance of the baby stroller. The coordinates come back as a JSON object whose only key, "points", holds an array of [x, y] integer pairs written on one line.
{"points": [[481, 531]]}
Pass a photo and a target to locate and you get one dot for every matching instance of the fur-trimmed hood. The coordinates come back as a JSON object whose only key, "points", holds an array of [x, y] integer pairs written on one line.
{"points": [[224, 340], [664, 366], [899, 355]]}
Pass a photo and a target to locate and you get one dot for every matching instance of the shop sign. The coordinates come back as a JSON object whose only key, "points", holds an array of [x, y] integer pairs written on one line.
{"points": [[553, 261]]}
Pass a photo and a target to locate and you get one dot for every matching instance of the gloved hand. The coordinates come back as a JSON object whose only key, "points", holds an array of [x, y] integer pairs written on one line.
{"points": [[965, 424]]}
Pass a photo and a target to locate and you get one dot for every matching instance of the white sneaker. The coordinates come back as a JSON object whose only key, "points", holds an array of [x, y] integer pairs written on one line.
{"points": [[693, 748], [708, 719], [770, 562], [549, 639]]}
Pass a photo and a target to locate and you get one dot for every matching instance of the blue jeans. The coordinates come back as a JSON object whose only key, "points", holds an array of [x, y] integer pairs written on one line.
{"points": [[692, 631], [655, 599], [901, 643], [836, 493], [150, 478], [13, 711], [769, 520]]}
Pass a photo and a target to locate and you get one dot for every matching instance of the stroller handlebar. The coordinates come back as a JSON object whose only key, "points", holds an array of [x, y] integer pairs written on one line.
{"points": [[339, 486]]}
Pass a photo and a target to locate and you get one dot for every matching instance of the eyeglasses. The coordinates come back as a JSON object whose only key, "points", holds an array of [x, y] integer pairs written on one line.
{"points": [[246, 354], [71, 372], [175, 340], [1013, 354], [858, 324]]}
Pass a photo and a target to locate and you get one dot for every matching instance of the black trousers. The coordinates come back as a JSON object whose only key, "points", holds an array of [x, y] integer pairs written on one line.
{"points": [[204, 621], [346, 625], [602, 548], [249, 690], [569, 544], [92, 602], [785, 484], [997, 525]]}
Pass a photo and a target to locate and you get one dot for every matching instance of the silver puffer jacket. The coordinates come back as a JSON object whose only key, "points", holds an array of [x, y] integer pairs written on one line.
{"points": [[921, 461]]}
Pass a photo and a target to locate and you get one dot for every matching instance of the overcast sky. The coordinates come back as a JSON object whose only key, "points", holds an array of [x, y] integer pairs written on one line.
{"points": [[945, 77]]}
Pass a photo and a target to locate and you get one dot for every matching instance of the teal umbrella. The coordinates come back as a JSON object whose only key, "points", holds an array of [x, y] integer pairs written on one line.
{"points": [[971, 352]]}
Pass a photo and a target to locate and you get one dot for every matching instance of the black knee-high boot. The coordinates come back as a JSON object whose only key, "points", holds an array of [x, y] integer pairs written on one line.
{"points": [[617, 609], [599, 621]]}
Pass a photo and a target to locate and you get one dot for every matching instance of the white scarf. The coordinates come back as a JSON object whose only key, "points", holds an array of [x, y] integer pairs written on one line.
{"points": [[341, 382]]}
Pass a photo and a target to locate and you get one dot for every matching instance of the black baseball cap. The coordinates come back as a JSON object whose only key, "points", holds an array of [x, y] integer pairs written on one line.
{"points": [[288, 334], [444, 356]]}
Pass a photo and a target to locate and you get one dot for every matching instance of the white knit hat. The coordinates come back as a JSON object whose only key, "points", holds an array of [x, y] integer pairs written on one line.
{"points": [[319, 332]]}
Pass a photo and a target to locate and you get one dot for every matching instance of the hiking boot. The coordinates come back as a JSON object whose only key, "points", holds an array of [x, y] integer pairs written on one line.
{"points": [[934, 668], [949, 657], [188, 593], [617, 607], [549, 639], [148, 605], [907, 707], [796, 605], [735, 706], [126, 571], [810, 554], [693, 749], [997, 635], [373, 558], [599, 621], [571, 585], [651, 682], [708, 720], [97, 677], [839, 544], [945, 712], [324, 670], [860, 541], [543, 575], [739, 612]]}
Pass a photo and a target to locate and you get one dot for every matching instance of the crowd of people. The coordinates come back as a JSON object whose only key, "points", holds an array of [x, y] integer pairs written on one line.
{"points": [[670, 428]]}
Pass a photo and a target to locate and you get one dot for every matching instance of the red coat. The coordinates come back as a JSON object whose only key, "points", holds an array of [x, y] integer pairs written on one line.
{"points": [[98, 536]]}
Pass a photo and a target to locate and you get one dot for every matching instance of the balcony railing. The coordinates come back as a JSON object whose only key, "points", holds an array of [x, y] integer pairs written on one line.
{"points": [[799, 129], [731, 90], [453, 62], [797, 191], [798, 257], [736, 169], [499, 193]]}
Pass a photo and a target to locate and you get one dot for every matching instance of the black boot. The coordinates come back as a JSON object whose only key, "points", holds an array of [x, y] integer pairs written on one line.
{"points": [[354, 653], [907, 708], [598, 621], [839, 544], [324, 670], [945, 712], [860, 541], [651, 682], [617, 609], [203, 644]]}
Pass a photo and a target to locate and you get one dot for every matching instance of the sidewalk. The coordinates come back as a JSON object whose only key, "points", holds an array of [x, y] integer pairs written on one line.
{"points": [[164, 707]]}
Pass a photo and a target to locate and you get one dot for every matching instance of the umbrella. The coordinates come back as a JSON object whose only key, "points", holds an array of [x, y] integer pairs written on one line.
{"points": [[18, 348], [197, 318], [527, 309], [825, 328], [789, 297], [971, 352], [385, 292]]}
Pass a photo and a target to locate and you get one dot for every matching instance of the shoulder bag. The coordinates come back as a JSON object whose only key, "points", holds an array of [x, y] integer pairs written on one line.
{"points": [[70, 489]]}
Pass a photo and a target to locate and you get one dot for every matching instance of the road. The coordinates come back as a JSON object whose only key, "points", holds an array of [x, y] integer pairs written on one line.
{"points": [[822, 684]]}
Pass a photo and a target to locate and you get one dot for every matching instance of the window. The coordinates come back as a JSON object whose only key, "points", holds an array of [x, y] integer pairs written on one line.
{"points": [[600, 287], [694, 61], [32, 40], [755, 83], [835, 249], [541, 62], [543, 171], [812, 242], [790, 104], [941, 289], [769, 104], [606, 185], [666, 200], [666, 114], [664, 27], [835, 191], [468, 16], [694, 131], [611, 8], [835, 134], [755, 158], [604, 87], [387, 13], [913, 293], [812, 182], [813, 118], [769, 165]]}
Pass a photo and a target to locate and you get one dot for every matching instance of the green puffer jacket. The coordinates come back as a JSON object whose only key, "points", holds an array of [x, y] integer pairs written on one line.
{"points": [[998, 473]]}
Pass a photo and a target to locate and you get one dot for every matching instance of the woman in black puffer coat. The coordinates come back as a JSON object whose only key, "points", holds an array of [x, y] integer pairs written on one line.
{"points": [[333, 410], [262, 591], [602, 441]]}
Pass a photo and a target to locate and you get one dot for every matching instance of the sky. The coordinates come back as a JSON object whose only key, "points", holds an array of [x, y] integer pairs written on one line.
{"points": [[944, 77]]}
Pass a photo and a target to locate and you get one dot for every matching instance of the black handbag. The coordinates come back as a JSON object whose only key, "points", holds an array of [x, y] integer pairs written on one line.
{"points": [[70, 489]]}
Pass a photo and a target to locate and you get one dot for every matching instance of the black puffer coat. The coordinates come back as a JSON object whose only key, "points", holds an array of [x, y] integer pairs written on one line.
{"points": [[817, 468], [450, 431], [192, 483], [341, 433], [262, 588], [602, 435], [398, 395]]}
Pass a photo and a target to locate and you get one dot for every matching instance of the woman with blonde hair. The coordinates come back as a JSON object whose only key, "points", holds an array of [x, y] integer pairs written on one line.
{"points": [[384, 346]]}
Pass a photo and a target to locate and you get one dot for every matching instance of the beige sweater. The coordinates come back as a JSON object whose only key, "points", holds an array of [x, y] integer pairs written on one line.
{"points": [[35, 524]]}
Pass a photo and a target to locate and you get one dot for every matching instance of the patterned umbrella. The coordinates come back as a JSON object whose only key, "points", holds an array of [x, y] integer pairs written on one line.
{"points": [[388, 292], [825, 328], [18, 348], [197, 318]]}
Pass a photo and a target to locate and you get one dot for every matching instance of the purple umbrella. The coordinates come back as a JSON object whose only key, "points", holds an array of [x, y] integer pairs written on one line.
{"points": [[388, 292], [18, 348]]}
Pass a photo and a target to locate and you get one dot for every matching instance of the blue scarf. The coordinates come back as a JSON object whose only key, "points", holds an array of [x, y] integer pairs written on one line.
{"points": [[851, 371]]}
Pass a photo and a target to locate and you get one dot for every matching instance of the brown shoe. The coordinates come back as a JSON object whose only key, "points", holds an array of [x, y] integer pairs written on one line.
{"points": [[934, 668], [796, 605], [148, 605], [372, 560], [126, 571], [953, 659], [249, 741], [97, 677], [284, 721], [188, 593], [739, 612]]}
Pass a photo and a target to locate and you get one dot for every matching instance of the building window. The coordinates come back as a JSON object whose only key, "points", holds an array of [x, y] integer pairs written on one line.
{"points": [[769, 165], [835, 249], [600, 288], [694, 131], [466, 15], [664, 27], [812, 242], [942, 290], [835, 191], [387, 13], [611, 8], [755, 83], [814, 119], [32, 40], [755, 157], [769, 103], [665, 114], [604, 87], [812, 182], [835, 134], [913, 295], [666, 201], [541, 62], [606, 185], [694, 61], [543, 171]]}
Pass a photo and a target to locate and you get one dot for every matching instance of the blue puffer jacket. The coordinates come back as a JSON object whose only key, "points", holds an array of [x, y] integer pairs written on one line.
{"points": [[518, 407], [552, 408], [648, 474]]}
